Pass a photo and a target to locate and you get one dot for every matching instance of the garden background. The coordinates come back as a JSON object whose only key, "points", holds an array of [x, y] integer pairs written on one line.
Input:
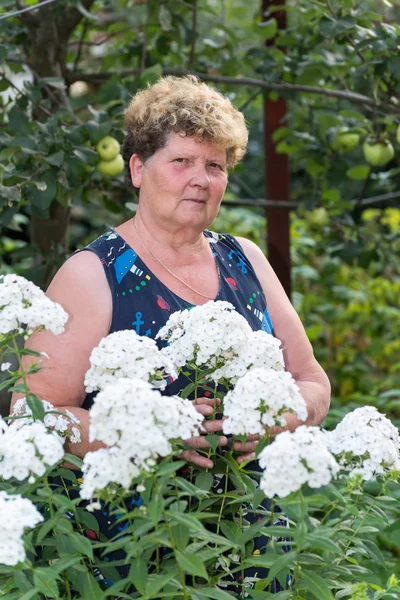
{"points": [[68, 70]]}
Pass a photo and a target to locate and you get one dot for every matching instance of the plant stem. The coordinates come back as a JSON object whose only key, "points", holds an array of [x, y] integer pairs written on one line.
{"points": [[174, 548], [223, 499], [23, 373], [241, 552]]}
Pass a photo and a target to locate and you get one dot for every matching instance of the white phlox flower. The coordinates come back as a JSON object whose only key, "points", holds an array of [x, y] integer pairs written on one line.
{"points": [[105, 466], [126, 354], [27, 449], [259, 350], [207, 334], [140, 422], [5, 366], [16, 514], [64, 425], [259, 400], [294, 459], [365, 442], [22, 304]]}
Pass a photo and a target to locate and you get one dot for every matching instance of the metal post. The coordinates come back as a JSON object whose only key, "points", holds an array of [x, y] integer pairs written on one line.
{"points": [[277, 176]]}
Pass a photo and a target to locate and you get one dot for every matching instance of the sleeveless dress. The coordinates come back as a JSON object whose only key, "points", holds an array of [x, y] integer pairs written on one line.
{"points": [[142, 302]]}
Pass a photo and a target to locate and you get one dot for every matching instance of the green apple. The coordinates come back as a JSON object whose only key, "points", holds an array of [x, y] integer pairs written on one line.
{"points": [[318, 217], [111, 168], [345, 140], [398, 134], [378, 154], [108, 148]]}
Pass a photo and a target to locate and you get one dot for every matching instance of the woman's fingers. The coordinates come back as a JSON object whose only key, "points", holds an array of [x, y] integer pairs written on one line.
{"points": [[249, 445], [243, 457], [244, 447], [204, 409], [196, 459], [201, 442], [212, 426]]}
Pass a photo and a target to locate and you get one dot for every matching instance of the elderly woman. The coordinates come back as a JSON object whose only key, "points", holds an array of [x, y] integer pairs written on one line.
{"points": [[182, 139]]}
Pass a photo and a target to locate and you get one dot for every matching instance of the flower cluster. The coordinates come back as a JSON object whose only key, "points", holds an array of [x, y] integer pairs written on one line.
{"points": [[294, 459], [126, 354], [22, 304], [27, 449], [16, 514], [64, 424], [105, 466], [365, 443], [133, 417], [204, 334], [259, 400], [259, 350]]}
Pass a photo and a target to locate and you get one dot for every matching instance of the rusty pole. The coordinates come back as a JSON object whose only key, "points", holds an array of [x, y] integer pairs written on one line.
{"points": [[277, 175]]}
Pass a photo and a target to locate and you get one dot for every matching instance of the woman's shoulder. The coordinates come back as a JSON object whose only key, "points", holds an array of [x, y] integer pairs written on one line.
{"points": [[237, 245]]}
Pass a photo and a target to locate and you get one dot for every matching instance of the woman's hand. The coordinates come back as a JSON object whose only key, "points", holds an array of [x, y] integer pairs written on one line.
{"points": [[205, 406], [247, 450]]}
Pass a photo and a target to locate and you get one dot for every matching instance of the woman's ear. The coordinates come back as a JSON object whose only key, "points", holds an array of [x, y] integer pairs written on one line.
{"points": [[136, 166]]}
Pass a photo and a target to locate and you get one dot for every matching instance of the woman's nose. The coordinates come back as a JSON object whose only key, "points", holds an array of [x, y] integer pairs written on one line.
{"points": [[200, 176]]}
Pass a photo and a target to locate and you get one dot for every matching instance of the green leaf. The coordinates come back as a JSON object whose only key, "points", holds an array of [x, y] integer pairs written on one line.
{"points": [[47, 526], [55, 159], [359, 172], [138, 574], [91, 588], [3, 53], [36, 406], [81, 544], [187, 390], [19, 122], [55, 82], [269, 28], [168, 468], [215, 593], [191, 564], [44, 579], [21, 580], [204, 480], [155, 507], [321, 542], [151, 75], [155, 583], [258, 595], [41, 199], [62, 564], [29, 595], [74, 460], [393, 64], [213, 440], [315, 584]]}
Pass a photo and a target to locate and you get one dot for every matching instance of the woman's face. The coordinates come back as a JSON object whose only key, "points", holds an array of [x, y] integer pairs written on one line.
{"points": [[183, 182]]}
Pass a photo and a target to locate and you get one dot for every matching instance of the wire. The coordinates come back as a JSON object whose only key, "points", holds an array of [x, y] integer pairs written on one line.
{"points": [[27, 9]]}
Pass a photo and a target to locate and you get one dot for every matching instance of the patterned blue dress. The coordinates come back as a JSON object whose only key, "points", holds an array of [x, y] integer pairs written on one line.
{"points": [[142, 302]]}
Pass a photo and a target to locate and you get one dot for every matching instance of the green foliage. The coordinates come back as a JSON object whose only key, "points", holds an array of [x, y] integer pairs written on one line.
{"points": [[346, 290]]}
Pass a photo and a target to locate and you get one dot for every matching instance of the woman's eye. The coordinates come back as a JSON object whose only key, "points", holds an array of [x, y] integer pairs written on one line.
{"points": [[216, 166], [180, 160]]}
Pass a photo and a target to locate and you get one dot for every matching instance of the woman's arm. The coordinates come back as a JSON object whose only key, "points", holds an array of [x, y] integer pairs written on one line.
{"points": [[297, 351], [80, 286]]}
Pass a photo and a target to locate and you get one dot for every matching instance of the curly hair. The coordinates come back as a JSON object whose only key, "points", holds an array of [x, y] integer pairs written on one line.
{"points": [[187, 105]]}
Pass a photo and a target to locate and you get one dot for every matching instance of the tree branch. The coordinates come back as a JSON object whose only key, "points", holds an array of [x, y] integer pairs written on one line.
{"points": [[102, 41], [79, 51], [251, 81], [293, 204], [71, 18]]}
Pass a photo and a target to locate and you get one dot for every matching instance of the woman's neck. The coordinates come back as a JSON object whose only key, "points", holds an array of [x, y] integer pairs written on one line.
{"points": [[179, 243]]}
